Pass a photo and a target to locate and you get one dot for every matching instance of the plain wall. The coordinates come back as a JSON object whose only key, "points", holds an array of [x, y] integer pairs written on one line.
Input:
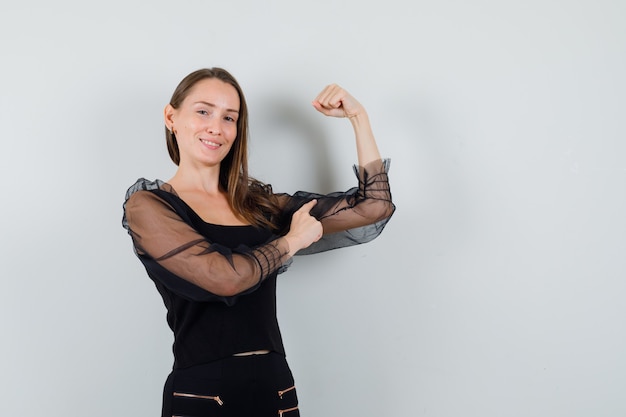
{"points": [[497, 288]]}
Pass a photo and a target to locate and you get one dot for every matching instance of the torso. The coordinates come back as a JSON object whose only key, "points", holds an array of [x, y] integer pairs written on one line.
{"points": [[213, 209], [206, 331]]}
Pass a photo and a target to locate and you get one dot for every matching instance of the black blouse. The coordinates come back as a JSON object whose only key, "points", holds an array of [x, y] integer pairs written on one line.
{"points": [[189, 260]]}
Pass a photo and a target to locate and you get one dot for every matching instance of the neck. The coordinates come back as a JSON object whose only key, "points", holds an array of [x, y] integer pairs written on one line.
{"points": [[204, 179]]}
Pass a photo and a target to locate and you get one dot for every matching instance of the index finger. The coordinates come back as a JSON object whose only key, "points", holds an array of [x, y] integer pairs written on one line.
{"points": [[308, 206]]}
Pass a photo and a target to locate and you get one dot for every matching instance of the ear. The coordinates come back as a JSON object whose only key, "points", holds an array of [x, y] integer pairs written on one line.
{"points": [[168, 116]]}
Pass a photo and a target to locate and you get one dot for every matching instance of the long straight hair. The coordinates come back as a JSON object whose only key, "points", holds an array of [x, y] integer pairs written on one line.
{"points": [[250, 199]]}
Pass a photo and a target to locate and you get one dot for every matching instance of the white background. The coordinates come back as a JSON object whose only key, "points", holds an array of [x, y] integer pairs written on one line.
{"points": [[496, 290]]}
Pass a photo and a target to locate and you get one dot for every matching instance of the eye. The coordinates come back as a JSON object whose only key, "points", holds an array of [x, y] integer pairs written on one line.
{"points": [[203, 112], [229, 119]]}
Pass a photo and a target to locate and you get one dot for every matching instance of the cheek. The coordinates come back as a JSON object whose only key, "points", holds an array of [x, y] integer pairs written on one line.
{"points": [[195, 125], [232, 132]]}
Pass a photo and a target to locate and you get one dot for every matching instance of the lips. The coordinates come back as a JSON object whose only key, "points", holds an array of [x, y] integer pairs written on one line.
{"points": [[210, 143]]}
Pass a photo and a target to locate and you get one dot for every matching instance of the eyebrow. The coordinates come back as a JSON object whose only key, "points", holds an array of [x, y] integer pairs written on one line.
{"points": [[214, 106]]}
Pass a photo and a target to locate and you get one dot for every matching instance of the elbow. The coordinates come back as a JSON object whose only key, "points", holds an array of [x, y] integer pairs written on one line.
{"points": [[378, 210], [387, 210]]}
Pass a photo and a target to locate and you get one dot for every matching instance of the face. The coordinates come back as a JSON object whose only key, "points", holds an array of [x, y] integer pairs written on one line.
{"points": [[205, 124]]}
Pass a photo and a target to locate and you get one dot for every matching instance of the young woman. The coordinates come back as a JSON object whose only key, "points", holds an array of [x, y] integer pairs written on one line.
{"points": [[214, 239]]}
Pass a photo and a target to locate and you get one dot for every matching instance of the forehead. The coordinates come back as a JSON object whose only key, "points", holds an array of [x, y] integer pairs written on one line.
{"points": [[214, 91]]}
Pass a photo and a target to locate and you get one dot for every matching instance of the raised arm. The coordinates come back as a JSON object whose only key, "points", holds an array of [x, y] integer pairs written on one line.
{"points": [[334, 101], [359, 214]]}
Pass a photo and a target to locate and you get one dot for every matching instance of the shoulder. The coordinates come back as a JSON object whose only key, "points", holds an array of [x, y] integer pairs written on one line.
{"points": [[259, 187], [146, 198], [143, 184], [144, 189]]}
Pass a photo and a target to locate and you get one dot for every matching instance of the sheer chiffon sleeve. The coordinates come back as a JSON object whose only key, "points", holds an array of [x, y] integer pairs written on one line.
{"points": [[182, 259], [349, 218]]}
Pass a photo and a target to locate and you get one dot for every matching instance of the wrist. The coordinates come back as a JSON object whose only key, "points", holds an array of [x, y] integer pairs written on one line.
{"points": [[291, 243], [359, 120]]}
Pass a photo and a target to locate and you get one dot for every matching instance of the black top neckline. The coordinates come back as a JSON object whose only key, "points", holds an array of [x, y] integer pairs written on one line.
{"points": [[170, 190]]}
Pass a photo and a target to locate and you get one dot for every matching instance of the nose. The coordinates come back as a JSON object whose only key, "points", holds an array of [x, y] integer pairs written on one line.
{"points": [[214, 127]]}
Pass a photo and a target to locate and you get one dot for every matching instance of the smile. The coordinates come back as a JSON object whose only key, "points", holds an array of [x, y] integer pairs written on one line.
{"points": [[210, 143]]}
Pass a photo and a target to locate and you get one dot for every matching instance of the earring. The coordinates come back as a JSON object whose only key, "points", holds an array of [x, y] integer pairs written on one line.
{"points": [[172, 130]]}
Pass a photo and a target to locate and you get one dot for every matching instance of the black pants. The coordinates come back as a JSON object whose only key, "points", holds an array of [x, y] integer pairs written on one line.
{"points": [[239, 386]]}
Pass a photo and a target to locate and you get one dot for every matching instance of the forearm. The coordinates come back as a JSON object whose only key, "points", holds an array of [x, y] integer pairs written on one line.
{"points": [[366, 148]]}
